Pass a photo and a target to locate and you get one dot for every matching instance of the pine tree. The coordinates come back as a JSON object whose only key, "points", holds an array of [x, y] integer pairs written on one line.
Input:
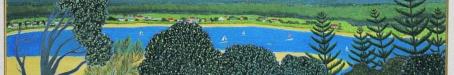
{"points": [[361, 52], [323, 34], [412, 24], [438, 28], [379, 38]]}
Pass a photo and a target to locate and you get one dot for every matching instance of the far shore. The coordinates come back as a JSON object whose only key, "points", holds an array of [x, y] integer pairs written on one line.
{"points": [[134, 25]]}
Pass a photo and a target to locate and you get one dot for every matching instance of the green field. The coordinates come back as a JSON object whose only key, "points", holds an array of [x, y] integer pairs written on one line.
{"points": [[351, 12]]}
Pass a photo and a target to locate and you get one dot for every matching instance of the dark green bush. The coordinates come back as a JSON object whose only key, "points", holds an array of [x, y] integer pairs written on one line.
{"points": [[90, 16], [292, 65], [184, 48], [362, 69], [428, 64], [248, 60]]}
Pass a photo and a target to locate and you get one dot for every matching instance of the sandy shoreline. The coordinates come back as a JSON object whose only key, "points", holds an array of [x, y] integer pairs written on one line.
{"points": [[32, 63], [135, 25]]}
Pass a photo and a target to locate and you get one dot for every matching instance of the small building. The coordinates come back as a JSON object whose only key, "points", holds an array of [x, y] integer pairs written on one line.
{"points": [[221, 19], [156, 19], [147, 18], [243, 18], [334, 26], [121, 19], [139, 17], [262, 19], [131, 19], [171, 19]]}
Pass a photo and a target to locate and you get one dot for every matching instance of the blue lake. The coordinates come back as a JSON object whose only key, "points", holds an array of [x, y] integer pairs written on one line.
{"points": [[276, 40]]}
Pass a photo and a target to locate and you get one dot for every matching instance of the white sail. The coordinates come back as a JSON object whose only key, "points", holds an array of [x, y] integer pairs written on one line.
{"points": [[141, 33], [346, 49], [289, 37], [243, 33], [224, 39]]}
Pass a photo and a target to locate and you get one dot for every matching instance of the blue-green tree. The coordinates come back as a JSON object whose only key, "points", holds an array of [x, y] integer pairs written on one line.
{"points": [[412, 23], [438, 27], [361, 52], [323, 34], [379, 38]]}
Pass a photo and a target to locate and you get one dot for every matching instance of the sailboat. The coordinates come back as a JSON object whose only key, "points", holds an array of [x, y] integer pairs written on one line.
{"points": [[140, 33], [346, 49], [289, 37], [243, 33], [224, 39]]}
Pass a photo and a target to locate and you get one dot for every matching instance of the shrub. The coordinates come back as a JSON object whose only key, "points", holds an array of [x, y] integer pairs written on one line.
{"points": [[428, 64], [362, 69], [111, 18], [90, 16], [292, 65], [393, 66], [124, 61], [249, 59], [184, 48]]}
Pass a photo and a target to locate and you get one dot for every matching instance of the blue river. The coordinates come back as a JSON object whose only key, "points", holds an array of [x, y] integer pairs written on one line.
{"points": [[276, 40]]}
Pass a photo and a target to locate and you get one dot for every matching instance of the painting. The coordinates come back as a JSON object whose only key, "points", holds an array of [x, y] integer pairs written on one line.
{"points": [[226, 37]]}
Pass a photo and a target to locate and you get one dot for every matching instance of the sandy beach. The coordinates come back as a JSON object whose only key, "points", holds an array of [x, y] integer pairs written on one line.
{"points": [[203, 25], [32, 63]]}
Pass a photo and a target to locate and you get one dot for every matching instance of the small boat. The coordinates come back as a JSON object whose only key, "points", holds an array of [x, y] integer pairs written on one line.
{"points": [[224, 39], [141, 33], [243, 33], [346, 49], [289, 37]]}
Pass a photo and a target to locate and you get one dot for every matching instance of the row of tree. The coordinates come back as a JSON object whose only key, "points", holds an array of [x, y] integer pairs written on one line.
{"points": [[186, 49], [372, 50]]}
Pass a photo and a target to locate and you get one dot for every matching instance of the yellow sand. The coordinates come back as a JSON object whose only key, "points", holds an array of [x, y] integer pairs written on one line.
{"points": [[70, 62], [33, 67]]}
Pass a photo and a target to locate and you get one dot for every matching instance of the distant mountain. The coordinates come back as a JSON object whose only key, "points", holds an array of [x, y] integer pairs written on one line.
{"points": [[289, 2]]}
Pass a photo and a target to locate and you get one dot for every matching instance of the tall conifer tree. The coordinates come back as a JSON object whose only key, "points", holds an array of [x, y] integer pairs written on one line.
{"points": [[379, 38], [361, 52], [412, 23], [323, 34], [438, 28]]}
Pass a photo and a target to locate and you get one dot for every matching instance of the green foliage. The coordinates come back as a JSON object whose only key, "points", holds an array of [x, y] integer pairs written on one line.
{"points": [[249, 59], [292, 65], [362, 69], [89, 16], [110, 18], [437, 27], [412, 23], [184, 48], [124, 61], [432, 64], [361, 52], [379, 38], [392, 67], [323, 34]]}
